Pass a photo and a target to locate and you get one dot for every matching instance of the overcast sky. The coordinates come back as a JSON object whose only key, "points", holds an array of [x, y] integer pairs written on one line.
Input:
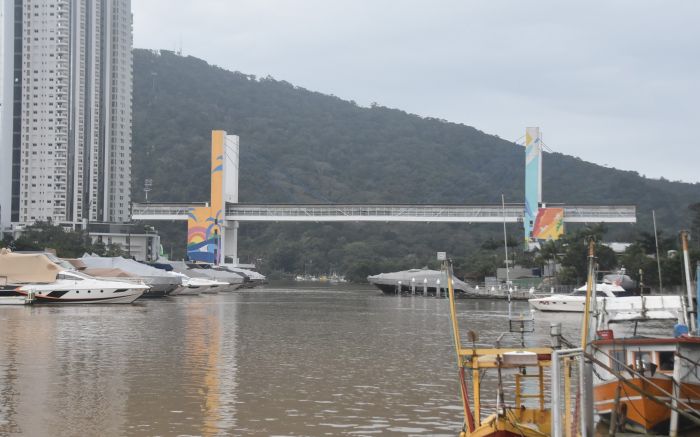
{"points": [[612, 82]]}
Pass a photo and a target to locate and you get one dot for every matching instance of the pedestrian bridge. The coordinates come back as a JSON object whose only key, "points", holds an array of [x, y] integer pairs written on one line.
{"points": [[510, 213]]}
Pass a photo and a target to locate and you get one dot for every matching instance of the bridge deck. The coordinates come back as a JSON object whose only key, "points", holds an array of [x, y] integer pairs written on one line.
{"points": [[385, 213]]}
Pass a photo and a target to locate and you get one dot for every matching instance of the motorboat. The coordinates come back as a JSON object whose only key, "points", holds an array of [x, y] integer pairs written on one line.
{"points": [[620, 278], [75, 287], [224, 280], [251, 278], [35, 276], [423, 281], [575, 302], [160, 282], [195, 286]]}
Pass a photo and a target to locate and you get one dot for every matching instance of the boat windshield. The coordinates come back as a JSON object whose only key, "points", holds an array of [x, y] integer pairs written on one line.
{"points": [[73, 276], [598, 293]]}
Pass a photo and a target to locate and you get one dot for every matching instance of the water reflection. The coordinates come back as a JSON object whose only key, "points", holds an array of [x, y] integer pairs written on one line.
{"points": [[344, 360]]}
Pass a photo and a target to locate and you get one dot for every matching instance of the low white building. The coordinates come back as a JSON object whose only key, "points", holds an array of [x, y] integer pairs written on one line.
{"points": [[142, 243]]}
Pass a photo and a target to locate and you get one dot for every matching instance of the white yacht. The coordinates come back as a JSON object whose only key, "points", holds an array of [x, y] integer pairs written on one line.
{"points": [[35, 275], [194, 286], [75, 287], [575, 302]]}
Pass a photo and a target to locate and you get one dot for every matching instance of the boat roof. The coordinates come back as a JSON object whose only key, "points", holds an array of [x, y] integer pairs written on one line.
{"points": [[27, 267], [105, 272], [417, 275], [648, 341], [603, 286]]}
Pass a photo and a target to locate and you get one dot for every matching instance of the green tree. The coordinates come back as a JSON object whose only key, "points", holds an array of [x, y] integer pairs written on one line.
{"points": [[42, 236], [695, 224]]}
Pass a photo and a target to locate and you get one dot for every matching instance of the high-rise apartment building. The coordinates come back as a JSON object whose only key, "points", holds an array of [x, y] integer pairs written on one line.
{"points": [[66, 111]]}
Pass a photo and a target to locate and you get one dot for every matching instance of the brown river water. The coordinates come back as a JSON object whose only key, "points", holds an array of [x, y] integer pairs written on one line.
{"points": [[283, 360]]}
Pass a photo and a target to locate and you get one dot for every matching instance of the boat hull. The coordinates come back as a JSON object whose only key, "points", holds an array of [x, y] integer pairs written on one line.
{"points": [[524, 422], [158, 290], [637, 412], [110, 296]]}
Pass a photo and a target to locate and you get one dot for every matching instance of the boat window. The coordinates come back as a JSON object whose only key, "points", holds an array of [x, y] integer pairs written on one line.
{"points": [[642, 359], [598, 293], [666, 361], [618, 360], [70, 277]]}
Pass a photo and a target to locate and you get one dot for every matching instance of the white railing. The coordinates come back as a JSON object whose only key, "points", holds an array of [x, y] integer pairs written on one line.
{"points": [[371, 212], [512, 213]]}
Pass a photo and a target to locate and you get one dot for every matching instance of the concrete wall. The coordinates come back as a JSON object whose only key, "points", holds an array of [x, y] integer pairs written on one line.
{"points": [[6, 66]]}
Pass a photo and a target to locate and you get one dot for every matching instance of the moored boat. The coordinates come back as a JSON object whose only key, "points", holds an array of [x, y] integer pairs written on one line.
{"points": [[422, 281], [224, 280], [35, 276], [575, 301], [160, 283], [510, 416], [648, 365], [649, 384]]}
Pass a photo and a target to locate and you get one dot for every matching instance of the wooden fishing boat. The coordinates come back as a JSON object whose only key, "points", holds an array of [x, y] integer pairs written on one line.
{"points": [[525, 411], [649, 367], [649, 384], [510, 418]]}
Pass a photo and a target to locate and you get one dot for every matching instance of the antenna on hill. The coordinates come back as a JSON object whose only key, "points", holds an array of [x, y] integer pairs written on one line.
{"points": [[147, 185], [179, 49]]}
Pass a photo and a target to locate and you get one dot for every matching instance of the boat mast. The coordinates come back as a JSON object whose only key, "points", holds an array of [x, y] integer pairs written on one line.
{"points": [[505, 240], [658, 260], [688, 284], [589, 292], [468, 418]]}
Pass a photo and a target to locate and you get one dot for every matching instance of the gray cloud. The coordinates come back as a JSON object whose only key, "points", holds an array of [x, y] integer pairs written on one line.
{"points": [[612, 82]]}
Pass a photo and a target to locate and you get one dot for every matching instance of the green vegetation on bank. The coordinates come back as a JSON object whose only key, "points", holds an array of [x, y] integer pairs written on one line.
{"points": [[299, 146], [67, 243]]}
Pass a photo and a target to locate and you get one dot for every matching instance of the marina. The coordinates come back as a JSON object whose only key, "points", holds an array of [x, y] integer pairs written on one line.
{"points": [[382, 365], [187, 249]]}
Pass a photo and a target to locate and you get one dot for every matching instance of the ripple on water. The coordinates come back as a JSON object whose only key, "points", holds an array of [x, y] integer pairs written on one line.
{"points": [[269, 362]]}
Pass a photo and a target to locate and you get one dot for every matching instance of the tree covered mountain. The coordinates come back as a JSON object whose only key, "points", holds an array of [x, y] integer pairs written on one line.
{"points": [[300, 146]]}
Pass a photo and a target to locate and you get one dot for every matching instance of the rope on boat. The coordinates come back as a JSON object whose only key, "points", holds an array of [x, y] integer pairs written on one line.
{"points": [[692, 417]]}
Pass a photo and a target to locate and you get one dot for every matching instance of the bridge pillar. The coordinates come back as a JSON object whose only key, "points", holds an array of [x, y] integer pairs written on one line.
{"points": [[206, 226], [230, 241]]}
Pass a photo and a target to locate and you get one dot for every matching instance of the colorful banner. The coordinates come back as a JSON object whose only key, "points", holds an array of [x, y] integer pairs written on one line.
{"points": [[203, 235], [205, 222], [533, 178], [549, 224]]}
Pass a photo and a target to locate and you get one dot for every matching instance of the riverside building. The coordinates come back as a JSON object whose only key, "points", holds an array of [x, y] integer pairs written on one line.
{"points": [[65, 111]]}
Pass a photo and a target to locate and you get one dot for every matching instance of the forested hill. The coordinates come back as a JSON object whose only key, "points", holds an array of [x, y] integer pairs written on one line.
{"points": [[302, 146]]}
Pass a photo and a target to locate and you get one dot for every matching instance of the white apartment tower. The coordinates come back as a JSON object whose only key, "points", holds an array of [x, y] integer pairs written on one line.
{"points": [[66, 111]]}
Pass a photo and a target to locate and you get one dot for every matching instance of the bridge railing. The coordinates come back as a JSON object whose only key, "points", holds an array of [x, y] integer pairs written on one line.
{"points": [[173, 211], [513, 213], [592, 213], [369, 212]]}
